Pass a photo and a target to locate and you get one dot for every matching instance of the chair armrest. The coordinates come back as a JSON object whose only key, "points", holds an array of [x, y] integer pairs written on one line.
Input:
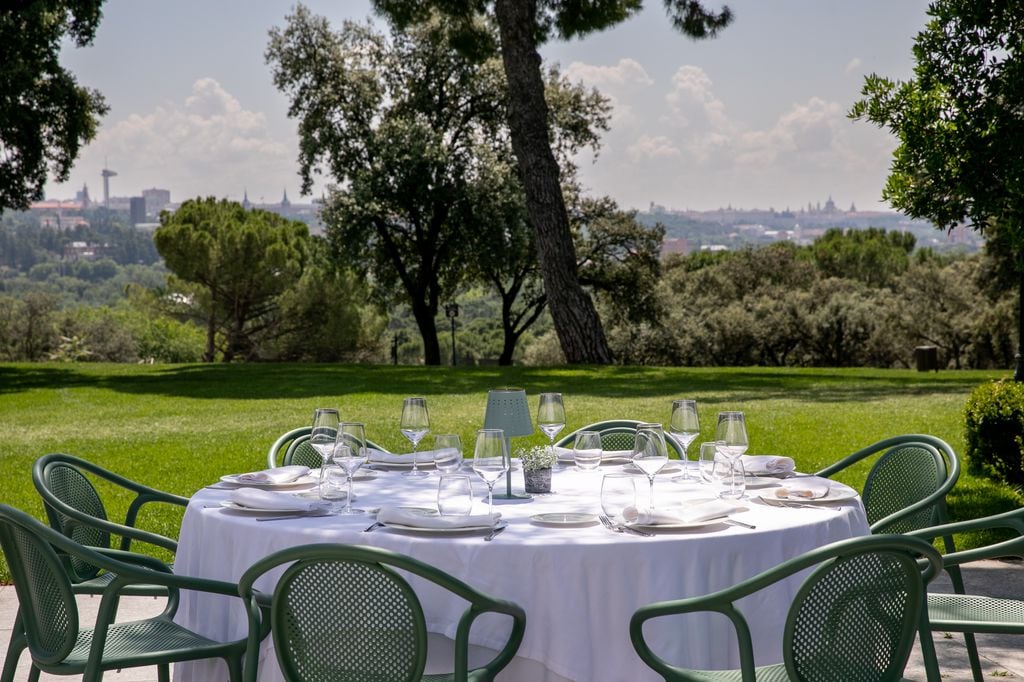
{"points": [[1011, 520], [507, 653]]}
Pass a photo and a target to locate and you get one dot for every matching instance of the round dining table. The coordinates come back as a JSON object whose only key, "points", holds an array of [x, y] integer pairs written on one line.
{"points": [[579, 582]]}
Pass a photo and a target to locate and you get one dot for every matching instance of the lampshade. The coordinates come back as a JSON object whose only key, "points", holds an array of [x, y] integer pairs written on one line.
{"points": [[507, 410]]}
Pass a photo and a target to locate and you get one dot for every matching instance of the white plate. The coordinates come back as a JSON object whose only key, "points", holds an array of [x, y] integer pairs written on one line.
{"points": [[837, 493], [361, 475], [761, 481], [300, 482], [234, 506], [444, 531], [682, 525], [567, 519], [426, 464]]}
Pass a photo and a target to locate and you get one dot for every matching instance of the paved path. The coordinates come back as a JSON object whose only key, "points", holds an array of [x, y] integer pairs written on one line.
{"points": [[1002, 656]]}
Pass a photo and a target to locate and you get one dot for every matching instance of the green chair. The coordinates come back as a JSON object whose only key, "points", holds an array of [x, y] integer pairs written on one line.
{"points": [[969, 614], [293, 448], [853, 619], [75, 509], [619, 434], [48, 623], [344, 612]]}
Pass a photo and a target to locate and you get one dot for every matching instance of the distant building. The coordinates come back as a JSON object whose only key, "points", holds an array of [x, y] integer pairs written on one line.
{"points": [[137, 210], [84, 251], [674, 246], [284, 200], [156, 200]]}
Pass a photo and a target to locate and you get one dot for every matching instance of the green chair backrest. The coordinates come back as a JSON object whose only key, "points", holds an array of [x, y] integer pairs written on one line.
{"points": [[47, 604], [338, 633], [903, 475], [618, 434], [302, 453], [855, 619], [74, 489]]}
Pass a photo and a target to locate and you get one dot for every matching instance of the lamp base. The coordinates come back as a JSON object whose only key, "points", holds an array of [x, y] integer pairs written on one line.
{"points": [[512, 497]]}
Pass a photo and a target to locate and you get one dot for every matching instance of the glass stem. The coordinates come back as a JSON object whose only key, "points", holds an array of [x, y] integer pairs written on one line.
{"points": [[490, 498], [348, 493], [415, 469], [651, 479]]}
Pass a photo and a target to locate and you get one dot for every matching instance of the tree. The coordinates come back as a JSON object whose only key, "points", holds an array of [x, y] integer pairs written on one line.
{"points": [[523, 26], [239, 262], [872, 256], [45, 116], [960, 157]]}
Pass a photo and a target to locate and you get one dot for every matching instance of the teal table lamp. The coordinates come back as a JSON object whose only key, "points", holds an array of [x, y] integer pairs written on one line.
{"points": [[507, 410]]}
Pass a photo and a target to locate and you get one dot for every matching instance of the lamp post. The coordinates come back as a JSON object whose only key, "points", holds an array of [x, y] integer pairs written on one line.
{"points": [[451, 311]]}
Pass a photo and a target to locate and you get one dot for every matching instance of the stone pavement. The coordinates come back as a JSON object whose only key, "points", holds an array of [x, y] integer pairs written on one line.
{"points": [[1002, 655]]}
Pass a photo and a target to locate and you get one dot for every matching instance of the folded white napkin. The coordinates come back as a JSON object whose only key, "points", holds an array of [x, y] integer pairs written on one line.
{"points": [[422, 457], [692, 513], [265, 499], [404, 517], [276, 475], [566, 454], [767, 464], [804, 488]]}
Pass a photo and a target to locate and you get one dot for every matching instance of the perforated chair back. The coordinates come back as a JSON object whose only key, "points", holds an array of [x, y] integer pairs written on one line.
{"points": [[323, 635], [854, 619], [73, 488], [618, 434], [302, 453], [49, 614], [903, 476], [343, 612]]}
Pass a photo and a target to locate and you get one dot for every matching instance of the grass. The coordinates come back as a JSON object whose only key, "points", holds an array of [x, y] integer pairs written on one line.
{"points": [[179, 427]]}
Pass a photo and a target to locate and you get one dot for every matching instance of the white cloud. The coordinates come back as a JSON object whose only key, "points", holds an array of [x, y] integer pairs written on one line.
{"points": [[205, 144], [627, 73], [656, 147], [853, 65]]}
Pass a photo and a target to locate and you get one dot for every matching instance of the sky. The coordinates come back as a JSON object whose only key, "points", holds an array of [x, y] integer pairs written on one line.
{"points": [[755, 118]]}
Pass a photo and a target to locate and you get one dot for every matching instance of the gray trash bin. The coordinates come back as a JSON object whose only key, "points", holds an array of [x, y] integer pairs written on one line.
{"points": [[926, 358]]}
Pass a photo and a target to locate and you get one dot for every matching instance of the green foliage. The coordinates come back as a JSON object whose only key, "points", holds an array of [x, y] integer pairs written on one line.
{"points": [[45, 116], [995, 431], [241, 260], [873, 256]]}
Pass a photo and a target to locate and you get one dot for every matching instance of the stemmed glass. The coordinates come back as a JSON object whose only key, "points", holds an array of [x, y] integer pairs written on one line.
{"points": [[324, 432], [732, 432], [415, 425], [490, 459], [649, 452], [551, 415], [685, 426], [350, 454]]}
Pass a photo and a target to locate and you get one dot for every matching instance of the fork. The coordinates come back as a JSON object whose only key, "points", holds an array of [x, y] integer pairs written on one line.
{"points": [[623, 528], [373, 526], [786, 503], [608, 524]]}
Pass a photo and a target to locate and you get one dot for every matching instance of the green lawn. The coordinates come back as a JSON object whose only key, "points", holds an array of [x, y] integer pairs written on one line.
{"points": [[179, 427]]}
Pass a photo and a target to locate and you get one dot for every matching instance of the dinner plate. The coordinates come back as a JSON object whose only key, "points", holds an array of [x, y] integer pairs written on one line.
{"points": [[837, 493], [361, 475], [300, 482], [234, 506], [682, 525], [565, 519], [760, 481], [445, 531]]}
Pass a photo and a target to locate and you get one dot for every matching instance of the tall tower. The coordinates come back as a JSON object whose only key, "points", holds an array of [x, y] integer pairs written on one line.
{"points": [[107, 174]]}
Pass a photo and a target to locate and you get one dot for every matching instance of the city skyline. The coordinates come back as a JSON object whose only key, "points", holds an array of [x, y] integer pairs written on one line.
{"points": [[753, 119]]}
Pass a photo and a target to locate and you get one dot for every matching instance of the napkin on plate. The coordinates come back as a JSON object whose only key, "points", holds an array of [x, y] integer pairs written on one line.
{"points": [[264, 499], [277, 475], [404, 517], [381, 457], [693, 513], [804, 488], [767, 464], [566, 454]]}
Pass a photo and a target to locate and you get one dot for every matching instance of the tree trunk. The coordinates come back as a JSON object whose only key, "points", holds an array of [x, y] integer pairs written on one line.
{"points": [[211, 338], [575, 317], [428, 331], [1018, 372]]}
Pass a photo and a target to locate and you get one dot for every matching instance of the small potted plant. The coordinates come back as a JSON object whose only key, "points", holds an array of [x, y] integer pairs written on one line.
{"points": [[537, 462]]}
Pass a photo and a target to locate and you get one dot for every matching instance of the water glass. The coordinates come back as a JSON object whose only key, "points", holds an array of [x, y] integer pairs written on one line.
{"points": [[708, 450], [454, 495], [334, 486], [728, 478], [447, 453], [618, 491], [587, 450]]}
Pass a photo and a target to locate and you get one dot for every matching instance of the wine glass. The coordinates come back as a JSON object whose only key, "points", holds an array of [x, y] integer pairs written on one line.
{"points": [[350, 454], [324, 432], [732, 431], [551, 415], [649, 452], [415, 425], [490, 459], [447, 453], [685, 426]]}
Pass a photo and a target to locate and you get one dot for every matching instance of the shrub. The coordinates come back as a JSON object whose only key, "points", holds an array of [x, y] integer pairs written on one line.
{"points": [[995, 431]]}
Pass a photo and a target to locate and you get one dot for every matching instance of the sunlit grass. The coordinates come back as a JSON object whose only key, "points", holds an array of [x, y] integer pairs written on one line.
{"points": [[180, 427]]}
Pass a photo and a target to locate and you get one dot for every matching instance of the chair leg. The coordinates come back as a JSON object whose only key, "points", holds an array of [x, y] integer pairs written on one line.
{"points": [[33, 674], [931, 659], [234, 668], [14, 649], [163, 672], [956, 578]]}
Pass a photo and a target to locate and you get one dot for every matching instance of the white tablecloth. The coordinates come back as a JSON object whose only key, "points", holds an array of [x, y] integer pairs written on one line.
{"points": [[579, 586]]}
